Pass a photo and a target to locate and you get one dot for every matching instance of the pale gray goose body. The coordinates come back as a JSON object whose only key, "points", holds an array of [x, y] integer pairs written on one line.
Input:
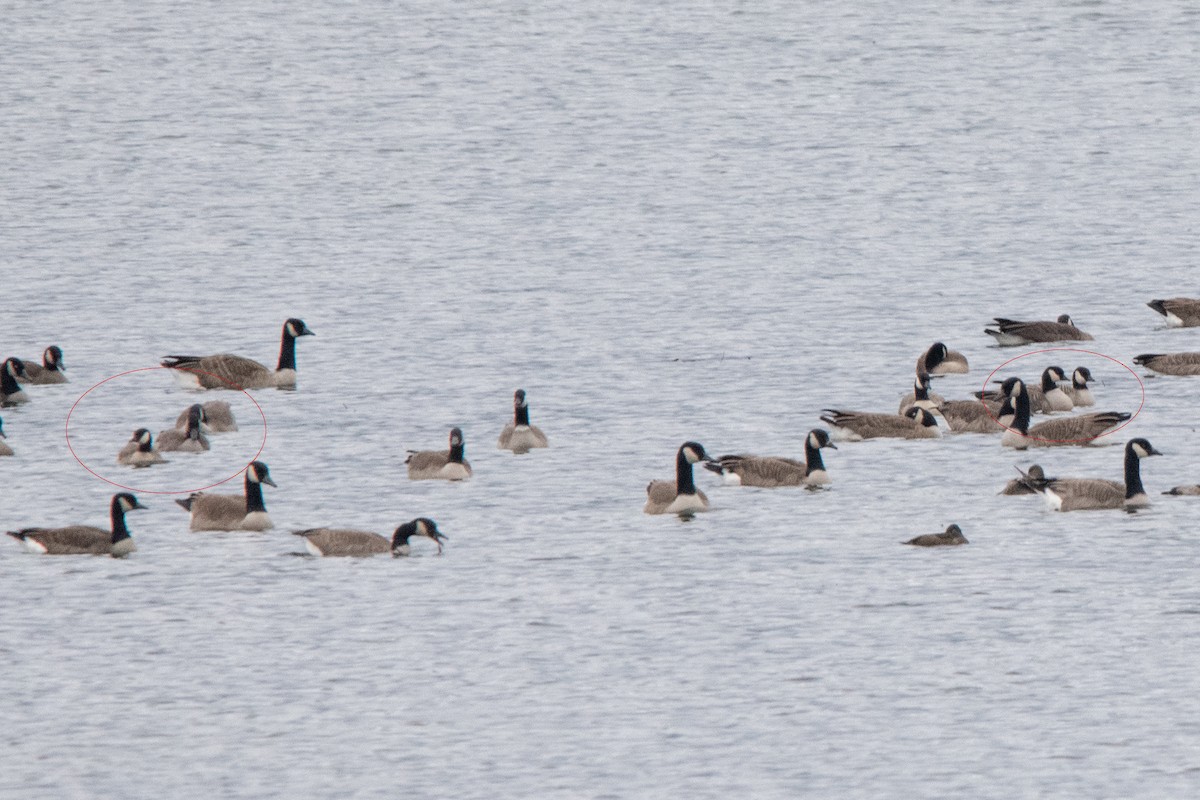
{"points": [[519, 435], [1079, 391], [218, 417]]}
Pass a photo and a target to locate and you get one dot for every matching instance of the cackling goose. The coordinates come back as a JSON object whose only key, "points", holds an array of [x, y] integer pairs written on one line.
{"points": [[49, 371], [139, 450], [189, 440]]}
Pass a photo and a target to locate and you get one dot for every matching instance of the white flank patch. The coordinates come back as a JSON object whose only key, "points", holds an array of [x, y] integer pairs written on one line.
{"points": [[34, 546], [1053, 501], [1174, 321], [312, 548], [731, 478]]}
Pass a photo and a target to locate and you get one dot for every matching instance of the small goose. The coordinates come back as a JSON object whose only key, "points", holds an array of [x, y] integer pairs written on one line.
{"points": [[1044, 399], [679, 496], [1193, 489], [518, 435], [1170, 363], [49, 371], [340, 542], [1026, 483], [227, 371], [1078, 391], [5, 450], [446, 465], [189, 440], [11, 394], [233, 512], [854, 426], [218, 417], [920, 395], [139, 450], [971, 416], [773, 471], [1078, 494], [1014, 332], [940, 360], [1083, 430], [1181, 312], [84, 539], [952, 535]]}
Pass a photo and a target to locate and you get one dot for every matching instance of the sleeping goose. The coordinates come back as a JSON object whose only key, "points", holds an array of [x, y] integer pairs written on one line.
{"points": [[446, 465], [1083, 429], [1026, 483], [1078, 494], [518, 435], [1170, 363], [773, 471], [218, 417], [11, 394], [233, 512], [342, 542], [139, 450], [85, 539], [1014, 332], [49, 371], [971, 416], [679, 496], [921, 395], [1181, 312], [854, 426], [228, 371], [5, 450], [1078, 391], [189, 440], [1192, 489], [940, 360], [953, 535]]}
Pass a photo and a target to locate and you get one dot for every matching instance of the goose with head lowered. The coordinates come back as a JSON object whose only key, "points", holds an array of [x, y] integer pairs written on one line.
{"points": [[218, 417], [1080, 494], [679, 496], [1180, 312], [1170, 363], [1015, 332], [189, 440], [139, 450], [774, 471], [11, 393], [228, 371], [85, 539], [941, 360], [854, 426], [1024, 483], [233, 512], [1080, 430], [347, 542], [50, 371], [519, 435], [447, 465]]}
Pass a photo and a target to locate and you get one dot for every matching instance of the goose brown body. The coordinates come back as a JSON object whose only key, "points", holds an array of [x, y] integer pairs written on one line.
{"points": [[229, 371]]}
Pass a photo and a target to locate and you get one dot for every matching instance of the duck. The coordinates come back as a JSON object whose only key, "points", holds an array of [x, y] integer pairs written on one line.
{"points": [[774, 471], [941, 360], [85, 539], [139, 450], [5, 450], [518, 435], [854, 426], [1078, 494], [1181, 312], [233, 512], [11, 393], [345, 542], [189, 440], [679, 496], [1025, 484], [921, 395], [951, 536], [218, 417], [1015, 332], [446, 465], [228, 371], [49, 371], [1082, 430], [1170, 363], [1190, 489], [1079, 391]]}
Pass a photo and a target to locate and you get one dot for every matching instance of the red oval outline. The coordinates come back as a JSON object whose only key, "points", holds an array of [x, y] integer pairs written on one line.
{"points": [[67, 434], [1127, 368]]}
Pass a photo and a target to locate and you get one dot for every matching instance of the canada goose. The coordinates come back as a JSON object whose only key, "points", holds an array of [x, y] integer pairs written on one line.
{"points": [[339, 542], [1053, 397], [190, 440], [971, 416], [84, 539], [920, 395], [1170, 363], [1181, 312], [11, 394], [1025, 484], [773, 471], [940, 360], [446, 465], [218, 417], [854, 426], [1012, 332], [952, 535], [233, 512], [679, 496], [227, 371], [49, 371], [1189, 490], [139, 450], [1078, 391], [1083, 429], [5, 450], [1078, 494], [518, 435]]}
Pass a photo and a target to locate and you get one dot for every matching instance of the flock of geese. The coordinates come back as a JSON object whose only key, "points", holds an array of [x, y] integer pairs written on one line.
{"points": [[1007, 411]]}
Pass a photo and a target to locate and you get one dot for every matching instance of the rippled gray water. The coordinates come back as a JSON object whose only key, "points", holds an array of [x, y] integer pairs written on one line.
{"points": [[685, 221]]}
